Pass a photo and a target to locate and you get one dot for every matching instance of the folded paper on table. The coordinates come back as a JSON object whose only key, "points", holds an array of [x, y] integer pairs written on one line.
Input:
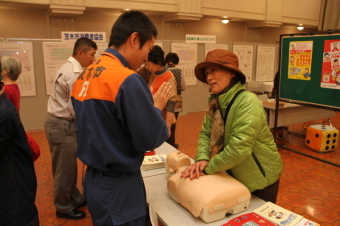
{"points": [[278, 215], [154, 162]]}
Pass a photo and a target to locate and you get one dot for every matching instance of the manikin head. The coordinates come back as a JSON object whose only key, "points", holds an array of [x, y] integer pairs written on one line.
{"points": [[175, 160]]}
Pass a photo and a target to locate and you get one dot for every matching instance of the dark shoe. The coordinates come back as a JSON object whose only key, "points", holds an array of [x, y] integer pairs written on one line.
{"points": [[73, 215], [81, 205], [176, 145]]}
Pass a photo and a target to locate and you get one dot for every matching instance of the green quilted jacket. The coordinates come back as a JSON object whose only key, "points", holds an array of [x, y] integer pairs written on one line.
{"points": [[249, 148]]}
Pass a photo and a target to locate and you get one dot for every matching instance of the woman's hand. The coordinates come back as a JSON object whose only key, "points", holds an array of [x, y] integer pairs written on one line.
{"points": [[195, 170]]}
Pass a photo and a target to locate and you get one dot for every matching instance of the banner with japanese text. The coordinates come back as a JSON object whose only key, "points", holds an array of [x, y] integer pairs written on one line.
{"points": [[67, 36]]}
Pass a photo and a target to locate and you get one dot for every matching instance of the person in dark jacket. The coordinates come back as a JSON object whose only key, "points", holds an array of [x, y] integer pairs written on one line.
{"points": [[17, 175], [117, 121], [172, 61]]}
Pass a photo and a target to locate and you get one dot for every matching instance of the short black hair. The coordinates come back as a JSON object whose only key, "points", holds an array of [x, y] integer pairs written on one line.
{"points": [[156, 55], [129, 22], [83, 44], [172, 58]]}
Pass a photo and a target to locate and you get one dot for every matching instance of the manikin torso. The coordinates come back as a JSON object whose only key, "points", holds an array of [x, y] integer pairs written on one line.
{"points": [[209, 197]]}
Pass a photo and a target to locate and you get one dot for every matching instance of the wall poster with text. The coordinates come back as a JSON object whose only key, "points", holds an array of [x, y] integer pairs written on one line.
{"points": [[23, 51], [56, 54], [245, 55], [210, 46], [300, 60], [330, 77], [265, 63], [187, 54]]}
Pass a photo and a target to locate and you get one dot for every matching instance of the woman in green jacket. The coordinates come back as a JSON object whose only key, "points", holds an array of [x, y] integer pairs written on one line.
{"points": [[237, 140]]}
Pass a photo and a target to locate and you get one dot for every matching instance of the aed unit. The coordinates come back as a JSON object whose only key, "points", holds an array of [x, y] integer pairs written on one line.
{"points": [[322, 138]]}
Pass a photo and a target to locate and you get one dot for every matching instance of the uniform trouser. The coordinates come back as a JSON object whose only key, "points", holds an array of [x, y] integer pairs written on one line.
{"points": [[61, 137], [269, 193], [115, 198]]}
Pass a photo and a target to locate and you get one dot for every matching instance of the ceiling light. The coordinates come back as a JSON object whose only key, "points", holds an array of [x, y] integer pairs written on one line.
{"points": [[224, 21], [300, 27], [125, 10]]}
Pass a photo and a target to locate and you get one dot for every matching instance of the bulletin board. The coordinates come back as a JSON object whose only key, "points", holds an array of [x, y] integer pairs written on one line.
{"points": [[309, 70], [23, 51]]}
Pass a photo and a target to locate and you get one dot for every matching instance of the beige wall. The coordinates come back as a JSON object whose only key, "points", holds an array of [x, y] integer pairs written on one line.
{"points": [[301, 11], [32, 20], [33, 23], [232, 32], [23, 23]]}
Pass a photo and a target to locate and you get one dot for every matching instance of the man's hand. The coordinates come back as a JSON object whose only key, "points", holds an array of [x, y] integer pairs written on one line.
{"points": [[163, 94]]}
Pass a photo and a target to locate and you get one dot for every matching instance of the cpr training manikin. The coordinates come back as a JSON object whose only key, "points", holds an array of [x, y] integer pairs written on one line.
{"points": [[209, 197]]}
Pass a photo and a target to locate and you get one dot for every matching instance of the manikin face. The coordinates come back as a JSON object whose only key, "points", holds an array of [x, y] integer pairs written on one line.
{"points": [[176, 160], [218, 79]]}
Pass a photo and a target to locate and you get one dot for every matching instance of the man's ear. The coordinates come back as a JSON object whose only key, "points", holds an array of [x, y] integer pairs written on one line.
{"points": [[80, 53], [134, 39]]}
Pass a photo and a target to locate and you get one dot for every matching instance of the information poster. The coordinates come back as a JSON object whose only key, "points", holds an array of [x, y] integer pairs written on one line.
{"points": [[23, 51], [265, 63], [209, 47], [330, 77], [245, 57], [187, 54], [300, 60], [56, 54]]}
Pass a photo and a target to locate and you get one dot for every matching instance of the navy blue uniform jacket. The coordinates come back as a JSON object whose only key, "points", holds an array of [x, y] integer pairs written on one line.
{"points": [[116, 121]]}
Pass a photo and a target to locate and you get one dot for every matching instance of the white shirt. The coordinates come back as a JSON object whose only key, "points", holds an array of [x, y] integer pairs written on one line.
{"points": [[58, 103]]}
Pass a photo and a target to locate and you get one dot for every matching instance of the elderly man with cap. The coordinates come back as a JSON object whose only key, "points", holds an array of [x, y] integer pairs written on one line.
{"points": [[235, 136]]}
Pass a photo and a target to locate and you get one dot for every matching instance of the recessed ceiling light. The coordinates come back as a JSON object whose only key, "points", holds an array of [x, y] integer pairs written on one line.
{"points": [[225, 21], [300, 27]]}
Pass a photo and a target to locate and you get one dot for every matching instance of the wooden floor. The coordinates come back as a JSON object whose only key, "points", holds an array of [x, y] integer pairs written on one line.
{"points": [[309, 186]]}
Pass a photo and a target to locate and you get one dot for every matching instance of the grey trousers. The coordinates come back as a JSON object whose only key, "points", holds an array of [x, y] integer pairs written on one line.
{"points": [[61, 137]]}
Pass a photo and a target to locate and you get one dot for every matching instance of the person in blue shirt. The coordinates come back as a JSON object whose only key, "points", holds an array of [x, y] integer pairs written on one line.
{"points": [[117, 121]]}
